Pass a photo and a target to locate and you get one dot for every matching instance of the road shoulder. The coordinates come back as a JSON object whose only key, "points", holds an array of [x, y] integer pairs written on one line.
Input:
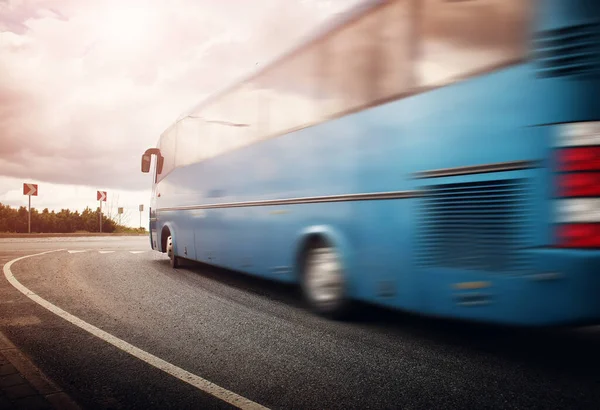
{"points": [[23, 385]]}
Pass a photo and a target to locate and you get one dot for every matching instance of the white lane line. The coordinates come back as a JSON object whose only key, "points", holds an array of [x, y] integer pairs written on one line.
{"points": [[77, 251], [105, 251], [183, 375], [137, 251]]}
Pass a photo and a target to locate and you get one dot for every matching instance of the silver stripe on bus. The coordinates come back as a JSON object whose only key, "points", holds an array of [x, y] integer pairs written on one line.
{"points": [[478, 169], [305, 200]]}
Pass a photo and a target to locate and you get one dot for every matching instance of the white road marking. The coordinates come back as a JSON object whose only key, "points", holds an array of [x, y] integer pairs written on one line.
{"points": [[177, 372], [105, 251], [137, 251], [77, 251]]}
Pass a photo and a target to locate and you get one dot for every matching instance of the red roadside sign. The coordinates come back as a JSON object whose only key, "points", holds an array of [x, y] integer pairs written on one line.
{"points": [[101, 196], [30, 189]]}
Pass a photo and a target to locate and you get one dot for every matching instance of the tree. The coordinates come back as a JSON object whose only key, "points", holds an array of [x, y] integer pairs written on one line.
{"points": [[111, 212], [65, 221]]}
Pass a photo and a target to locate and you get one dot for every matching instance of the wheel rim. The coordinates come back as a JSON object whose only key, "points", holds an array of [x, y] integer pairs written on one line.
{"points": [[324, 276], [170, 247]]}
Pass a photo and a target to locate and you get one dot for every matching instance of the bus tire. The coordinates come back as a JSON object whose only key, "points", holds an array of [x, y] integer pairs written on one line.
{"points": [[175, 262], [323, 283]]}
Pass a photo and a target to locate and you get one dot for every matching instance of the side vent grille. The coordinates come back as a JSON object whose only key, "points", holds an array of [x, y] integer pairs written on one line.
{"points": [[478, 226], [569, 52]]}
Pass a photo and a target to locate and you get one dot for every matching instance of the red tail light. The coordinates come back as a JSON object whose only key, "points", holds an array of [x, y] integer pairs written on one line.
{"points": [[579, 236], [579, 184], [579, 159]]}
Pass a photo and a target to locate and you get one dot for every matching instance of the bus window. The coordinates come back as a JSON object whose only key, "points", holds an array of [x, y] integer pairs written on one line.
{"points": [[348, 80], [461, 38], [264, 91], [209, 143], [302, 91], [264, 96], [224, 122], [213, 114], [247, 112], [236, 131], [167, 148], [189, 141], [392, 65], [292, 89]]}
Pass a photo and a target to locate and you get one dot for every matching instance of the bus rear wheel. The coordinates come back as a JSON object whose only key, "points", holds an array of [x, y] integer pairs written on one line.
{"points": [[171, 253], [323, 283]]}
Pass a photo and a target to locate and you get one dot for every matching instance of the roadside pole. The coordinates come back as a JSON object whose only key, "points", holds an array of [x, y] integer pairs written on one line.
{"points": [[29, 190], [101, 197]]}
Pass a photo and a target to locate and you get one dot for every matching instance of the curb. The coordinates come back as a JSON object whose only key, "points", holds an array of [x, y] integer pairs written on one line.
{"points": [[38, 381]]}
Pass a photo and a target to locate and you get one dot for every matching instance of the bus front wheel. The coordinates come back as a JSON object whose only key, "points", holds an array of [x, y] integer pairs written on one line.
{"points": [[171, 253], [323, 283]]}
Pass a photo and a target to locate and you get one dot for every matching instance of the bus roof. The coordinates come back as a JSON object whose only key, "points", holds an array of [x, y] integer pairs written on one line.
{"points": [[339, 20]]}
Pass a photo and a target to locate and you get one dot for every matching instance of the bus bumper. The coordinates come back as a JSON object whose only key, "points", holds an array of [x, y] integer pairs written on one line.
{"points": [[564, 289]]}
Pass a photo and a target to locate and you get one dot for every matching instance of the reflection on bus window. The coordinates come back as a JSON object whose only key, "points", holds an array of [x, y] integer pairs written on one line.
{"points": [[459, 38]]}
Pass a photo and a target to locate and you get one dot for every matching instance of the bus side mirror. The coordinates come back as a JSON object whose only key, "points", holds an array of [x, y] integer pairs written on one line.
{"points": [[147, 158], [161, 161], [146, 163]]}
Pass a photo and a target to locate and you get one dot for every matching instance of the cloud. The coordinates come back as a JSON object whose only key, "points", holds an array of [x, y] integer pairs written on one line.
{"points": [[87, 86]]}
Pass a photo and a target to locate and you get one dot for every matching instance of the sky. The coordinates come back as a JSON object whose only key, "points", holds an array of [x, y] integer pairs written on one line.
{"points": [[87, 85]]}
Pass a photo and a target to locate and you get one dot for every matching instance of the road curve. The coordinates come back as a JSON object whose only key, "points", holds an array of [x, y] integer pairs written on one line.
{"points": [[255, 339]]}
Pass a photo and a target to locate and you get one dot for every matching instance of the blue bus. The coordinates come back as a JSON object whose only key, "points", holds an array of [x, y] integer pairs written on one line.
{"points": [[434, 156]]}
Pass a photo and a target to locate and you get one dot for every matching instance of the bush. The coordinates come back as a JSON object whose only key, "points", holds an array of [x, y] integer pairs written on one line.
{"points": [[65, 221]]}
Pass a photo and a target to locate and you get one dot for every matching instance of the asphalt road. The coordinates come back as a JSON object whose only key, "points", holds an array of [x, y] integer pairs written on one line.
{"points": [[254, 338]]}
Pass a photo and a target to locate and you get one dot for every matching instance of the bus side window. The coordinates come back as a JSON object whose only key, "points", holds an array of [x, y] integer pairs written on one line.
{"points": [[189, 141], [462, 38], [167, 148], [392, 64], [248, 112], [293, 102], [368, 60], [347, 80]]}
